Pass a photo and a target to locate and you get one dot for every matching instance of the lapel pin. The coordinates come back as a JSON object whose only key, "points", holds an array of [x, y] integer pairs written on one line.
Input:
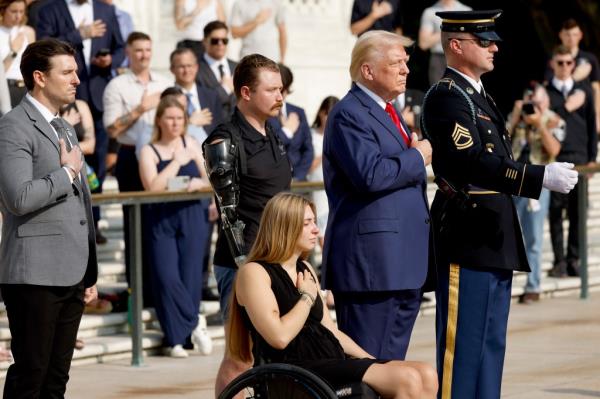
{"points": [[470, 90]]}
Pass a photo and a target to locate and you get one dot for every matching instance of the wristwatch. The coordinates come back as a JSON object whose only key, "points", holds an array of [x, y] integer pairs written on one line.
{"points": [[13, 54]]}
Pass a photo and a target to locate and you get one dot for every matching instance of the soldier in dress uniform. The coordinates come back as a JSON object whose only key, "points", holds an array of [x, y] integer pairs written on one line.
{"points": [[477, 239]]}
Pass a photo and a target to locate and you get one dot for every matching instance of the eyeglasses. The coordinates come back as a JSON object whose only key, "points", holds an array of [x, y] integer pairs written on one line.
{"points": [[565, 62], [215, 40], [483, 43]]}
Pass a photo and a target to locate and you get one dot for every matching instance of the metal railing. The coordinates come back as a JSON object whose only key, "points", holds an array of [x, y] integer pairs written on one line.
{"points": [[136, 199]]}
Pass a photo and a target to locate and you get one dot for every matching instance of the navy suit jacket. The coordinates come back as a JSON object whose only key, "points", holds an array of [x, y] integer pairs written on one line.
{"points": [[207, 78], [209, 98], [299, 148], [378, 227], [54, 20]]}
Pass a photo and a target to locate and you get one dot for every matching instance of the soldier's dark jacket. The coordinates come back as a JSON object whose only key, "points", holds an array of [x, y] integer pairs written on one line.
{"points": [[472, 150]]}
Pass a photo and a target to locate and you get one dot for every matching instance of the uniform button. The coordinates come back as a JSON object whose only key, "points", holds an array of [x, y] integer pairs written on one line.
{"points": [[490, 131], [82, 222]]}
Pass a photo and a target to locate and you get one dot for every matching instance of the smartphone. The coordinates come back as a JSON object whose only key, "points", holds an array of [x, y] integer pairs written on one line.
{"points": [[178, 183], [528, 108], [102, 52]]}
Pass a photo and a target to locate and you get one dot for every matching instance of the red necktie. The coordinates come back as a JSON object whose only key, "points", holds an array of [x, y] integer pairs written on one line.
{"points": [[389, 108]]}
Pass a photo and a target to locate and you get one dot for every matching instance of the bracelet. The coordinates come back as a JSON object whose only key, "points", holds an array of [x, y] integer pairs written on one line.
{"points": [[312, 298]]}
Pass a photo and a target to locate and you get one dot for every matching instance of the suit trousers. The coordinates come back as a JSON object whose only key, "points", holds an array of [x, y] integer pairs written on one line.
{"points": [[380, 322], [43, 324]]}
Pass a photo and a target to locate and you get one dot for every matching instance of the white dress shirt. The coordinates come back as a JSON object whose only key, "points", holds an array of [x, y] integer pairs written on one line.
{"points": [[476, 85], [82, 14], [564, 86], [214, 67], [48, 116]]}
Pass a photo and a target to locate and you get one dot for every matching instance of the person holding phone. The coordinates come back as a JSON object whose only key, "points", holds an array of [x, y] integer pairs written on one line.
{"points": [[536, 133], [176, 230]]}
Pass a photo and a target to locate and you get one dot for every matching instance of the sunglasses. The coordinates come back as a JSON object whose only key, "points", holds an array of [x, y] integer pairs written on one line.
{"points": [[483, 43], [562, 63], [215, 40]]}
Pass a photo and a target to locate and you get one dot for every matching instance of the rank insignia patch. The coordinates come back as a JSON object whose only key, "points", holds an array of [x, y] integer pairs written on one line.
{"points": [[461, 137]]}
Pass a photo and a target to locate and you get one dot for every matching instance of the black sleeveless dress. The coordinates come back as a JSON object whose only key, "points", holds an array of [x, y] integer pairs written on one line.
{"points": [[315, 347]]}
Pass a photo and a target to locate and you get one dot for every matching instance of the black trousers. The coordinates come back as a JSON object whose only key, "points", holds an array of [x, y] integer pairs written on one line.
{"points": [[43, 323], [559, 202]]}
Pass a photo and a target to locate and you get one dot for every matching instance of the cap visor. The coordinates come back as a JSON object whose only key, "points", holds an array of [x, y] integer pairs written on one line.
{"points": [[489, 35]]}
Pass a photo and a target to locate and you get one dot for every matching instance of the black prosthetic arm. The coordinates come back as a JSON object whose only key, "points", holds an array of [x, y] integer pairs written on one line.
{"points": [[221, 166]]}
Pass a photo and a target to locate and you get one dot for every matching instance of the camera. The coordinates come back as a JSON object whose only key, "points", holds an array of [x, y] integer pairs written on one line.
{"points": [[528, 108]]}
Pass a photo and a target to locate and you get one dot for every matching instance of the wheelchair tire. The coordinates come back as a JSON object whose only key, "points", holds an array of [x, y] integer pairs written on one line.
{"points": [[278, 381]]}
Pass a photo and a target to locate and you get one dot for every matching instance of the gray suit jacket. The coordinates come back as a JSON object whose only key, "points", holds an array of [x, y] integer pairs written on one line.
{"points": [[47, 235]]}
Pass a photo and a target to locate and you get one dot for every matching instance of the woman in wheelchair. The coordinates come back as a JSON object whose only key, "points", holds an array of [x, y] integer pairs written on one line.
{"points": [[277, 313]]}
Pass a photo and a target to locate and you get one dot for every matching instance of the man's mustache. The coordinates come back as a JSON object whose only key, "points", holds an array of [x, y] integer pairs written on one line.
{"points": [[278, 105]]}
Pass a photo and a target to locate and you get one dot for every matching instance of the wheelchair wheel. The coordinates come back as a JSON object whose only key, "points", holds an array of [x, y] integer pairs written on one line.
{"points": [[278, 381]]}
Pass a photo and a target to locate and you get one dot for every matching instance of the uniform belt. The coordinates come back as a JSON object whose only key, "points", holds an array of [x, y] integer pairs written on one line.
{"points": [[479, 191], [16, 82]]}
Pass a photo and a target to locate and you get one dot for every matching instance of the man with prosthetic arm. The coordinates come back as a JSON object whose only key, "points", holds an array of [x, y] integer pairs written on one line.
{"points": [[477, 241], [246, 165]]}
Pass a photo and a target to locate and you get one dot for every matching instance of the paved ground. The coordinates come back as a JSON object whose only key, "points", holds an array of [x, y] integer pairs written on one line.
{"points": [[553, 352]]}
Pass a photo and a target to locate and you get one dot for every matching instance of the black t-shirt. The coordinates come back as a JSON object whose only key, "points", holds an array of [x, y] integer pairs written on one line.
{"points": [[268, 173], [362, 8]]}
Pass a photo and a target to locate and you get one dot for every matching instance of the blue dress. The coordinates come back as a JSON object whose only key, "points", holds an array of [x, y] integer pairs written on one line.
{"points": [[177, 244]]}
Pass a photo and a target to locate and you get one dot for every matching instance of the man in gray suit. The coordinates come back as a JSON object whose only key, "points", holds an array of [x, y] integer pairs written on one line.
{"points": [[48, 264]]}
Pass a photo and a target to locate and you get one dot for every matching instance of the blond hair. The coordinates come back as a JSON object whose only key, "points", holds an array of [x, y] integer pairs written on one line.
{"points": [[371, 45], [168, 101], [280, 228]]}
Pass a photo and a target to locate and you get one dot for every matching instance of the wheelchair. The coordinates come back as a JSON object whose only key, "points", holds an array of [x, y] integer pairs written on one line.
{"points": [[286, 381]]}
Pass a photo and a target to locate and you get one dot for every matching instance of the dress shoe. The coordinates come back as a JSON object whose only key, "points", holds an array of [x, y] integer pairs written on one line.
{"points": [[177, 352], [529, 297], [559, 270], [201, 339], [100, 238], [573, 268]]}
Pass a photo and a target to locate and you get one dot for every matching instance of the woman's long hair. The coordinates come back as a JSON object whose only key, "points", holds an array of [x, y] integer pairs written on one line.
{"points": [[326, 106], [281, 224], [167, 102]]}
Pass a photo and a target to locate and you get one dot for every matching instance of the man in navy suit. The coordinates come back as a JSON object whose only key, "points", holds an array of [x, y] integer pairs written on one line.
{"points": [[204, 108], [293, 130], [215, 69], [376, 242], [91, 27]]}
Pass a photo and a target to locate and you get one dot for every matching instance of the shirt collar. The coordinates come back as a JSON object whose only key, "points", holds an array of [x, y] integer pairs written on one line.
{"points": [[373, 96], [476, 85], [210, 60], [135, 78], [193, 91], [248, 131], [48, 116], [559, 84]]}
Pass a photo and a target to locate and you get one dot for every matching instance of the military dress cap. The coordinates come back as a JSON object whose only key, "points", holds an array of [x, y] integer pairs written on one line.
{"points": [[478, 23]]}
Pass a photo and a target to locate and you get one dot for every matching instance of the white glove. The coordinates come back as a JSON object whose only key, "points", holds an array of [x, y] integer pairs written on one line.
{"points": [[560, 177]]}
